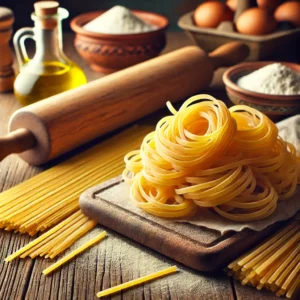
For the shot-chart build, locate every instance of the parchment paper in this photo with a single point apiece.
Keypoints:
(289, 130)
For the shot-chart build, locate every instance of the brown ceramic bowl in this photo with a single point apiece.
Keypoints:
(108, 53)
(272, 105)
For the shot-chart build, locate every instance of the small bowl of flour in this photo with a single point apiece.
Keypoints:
(272, 79)
(118, 38)
(119, 20)
(271, 87)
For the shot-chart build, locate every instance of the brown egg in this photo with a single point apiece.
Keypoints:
(232, 4)
(288, 12)
(256, 21)
(268, 4)
(211, 14)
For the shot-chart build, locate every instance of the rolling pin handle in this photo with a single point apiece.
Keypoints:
(16, 141)
(229, 54)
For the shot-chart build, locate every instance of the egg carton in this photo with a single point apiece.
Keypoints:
(281, 43)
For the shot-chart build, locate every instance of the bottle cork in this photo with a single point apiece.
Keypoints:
(46, 11)
(7, 75)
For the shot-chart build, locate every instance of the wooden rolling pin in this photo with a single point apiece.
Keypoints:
(49, 128)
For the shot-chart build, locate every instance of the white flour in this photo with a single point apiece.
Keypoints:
(118, 20)
(273, 79)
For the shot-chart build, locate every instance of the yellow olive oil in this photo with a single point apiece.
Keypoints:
(38, 81)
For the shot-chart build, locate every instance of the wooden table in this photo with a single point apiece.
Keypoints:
(113, 261)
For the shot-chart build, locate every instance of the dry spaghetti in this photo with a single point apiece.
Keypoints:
(74, 253)
(137, 281)
(230, 160)
(255, 134)
(57, 239)
(273, 265)
(52, 196)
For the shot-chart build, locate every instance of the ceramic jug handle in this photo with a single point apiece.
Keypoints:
(19, 44)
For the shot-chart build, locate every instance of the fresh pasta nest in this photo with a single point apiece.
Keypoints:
(206, 155)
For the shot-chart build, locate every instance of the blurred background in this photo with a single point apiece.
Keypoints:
(172, 9)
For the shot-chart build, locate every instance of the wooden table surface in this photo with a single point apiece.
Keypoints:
(113, 261)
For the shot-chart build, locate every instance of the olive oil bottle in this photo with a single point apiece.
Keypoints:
(49, 72)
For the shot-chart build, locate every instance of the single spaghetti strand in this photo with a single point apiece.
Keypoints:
(138, 281)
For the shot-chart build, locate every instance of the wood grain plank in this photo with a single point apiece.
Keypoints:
(117, 260)
(13, 276)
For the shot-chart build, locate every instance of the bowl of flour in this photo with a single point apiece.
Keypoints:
(118, 38)
(271, 87)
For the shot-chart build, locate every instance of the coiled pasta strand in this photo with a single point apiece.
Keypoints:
(228, 160)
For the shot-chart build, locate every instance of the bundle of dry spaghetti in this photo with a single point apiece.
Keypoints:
(52, 196)
(207, 155)
(57, 239)
(273, 265)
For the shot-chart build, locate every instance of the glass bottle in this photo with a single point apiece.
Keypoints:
(49, 72)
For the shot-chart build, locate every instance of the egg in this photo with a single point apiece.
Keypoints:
(211, 14)
(256, 21)
(268, 4)
(288, 12)
(232, 4)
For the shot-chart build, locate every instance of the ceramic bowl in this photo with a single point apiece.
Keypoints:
(108, 53)
(275, 106)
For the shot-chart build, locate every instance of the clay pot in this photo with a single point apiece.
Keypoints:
(108, 53)
(274, 106)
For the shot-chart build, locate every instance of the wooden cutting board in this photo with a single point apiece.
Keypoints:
(196, 247)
